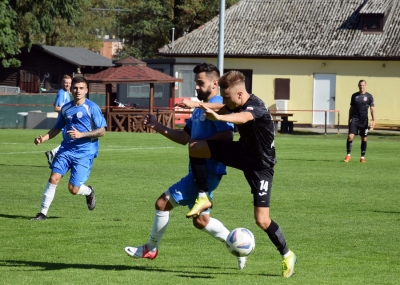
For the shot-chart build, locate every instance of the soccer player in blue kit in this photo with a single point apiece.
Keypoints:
(185, 192)
(358, 119)
(253, 153)
(82, 123)
(62, 97)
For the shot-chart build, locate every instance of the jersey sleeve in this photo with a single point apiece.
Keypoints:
(256, 111)
(97, 118)
(59, 98)
(223, 126)
(371, 102)
(60, 120)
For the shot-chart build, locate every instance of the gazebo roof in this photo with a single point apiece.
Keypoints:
(131, 70)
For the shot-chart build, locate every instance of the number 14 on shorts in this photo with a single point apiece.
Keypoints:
(263, 187)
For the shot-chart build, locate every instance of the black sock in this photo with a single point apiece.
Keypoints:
(363, 148)
(349, 145)
(276, 236)
(199, 170)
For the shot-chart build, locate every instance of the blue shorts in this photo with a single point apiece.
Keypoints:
(80, 168)
(185, 191)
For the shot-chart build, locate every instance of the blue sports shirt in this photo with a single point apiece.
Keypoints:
(62, 98)
(84, 118)
(202, 128)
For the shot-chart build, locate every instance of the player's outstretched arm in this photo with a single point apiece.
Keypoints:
(51, 134)
(177, 136)
(75, 134)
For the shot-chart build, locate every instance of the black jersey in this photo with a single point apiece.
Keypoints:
(257, 136)
(360, 104)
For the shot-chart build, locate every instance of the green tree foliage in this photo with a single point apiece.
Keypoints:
(24, 21)
(143, 25)
(8, 35)
(149, 25)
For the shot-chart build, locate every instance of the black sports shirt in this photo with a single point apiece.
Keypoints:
(257, 136)
(360, 104)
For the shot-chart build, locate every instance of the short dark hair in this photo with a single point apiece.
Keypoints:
(79, 79)
(208, 68)
(362, 80)
(231, 78)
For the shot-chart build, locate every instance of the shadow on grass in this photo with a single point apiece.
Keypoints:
(385, 212)
(321, 133)
(302, 159)
(24, 165)
(60, 266)
(22, 217)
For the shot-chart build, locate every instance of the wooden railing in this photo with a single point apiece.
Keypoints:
(131, 120)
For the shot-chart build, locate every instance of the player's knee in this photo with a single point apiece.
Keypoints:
(200, 222)
(263, 223)
(163, 203)
(73, 189)
(54, 179)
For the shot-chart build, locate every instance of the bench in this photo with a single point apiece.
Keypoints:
(390, 127)
(290, 125)
(276, 121)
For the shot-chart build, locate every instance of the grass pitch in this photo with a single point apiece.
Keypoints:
(341, 219)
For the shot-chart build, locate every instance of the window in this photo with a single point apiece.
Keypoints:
(187, 87)
(373, 22)
(143, 90)
(282, 89)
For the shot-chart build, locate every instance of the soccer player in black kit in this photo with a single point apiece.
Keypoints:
(358, 119)
(253, 153)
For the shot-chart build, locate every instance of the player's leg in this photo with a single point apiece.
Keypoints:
(203, 221)
(198, 152)
(177, 194)
(51, 154)
(260, 182)
(79, 175)
(208, 224)
(60, 167)
(364, 134)
(349, 142)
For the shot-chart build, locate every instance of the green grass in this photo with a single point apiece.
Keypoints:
(341, 219)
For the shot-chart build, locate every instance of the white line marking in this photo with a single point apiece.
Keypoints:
(101, 149)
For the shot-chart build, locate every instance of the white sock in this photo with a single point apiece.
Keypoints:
(48, 196)
(161, 219)
(84, 190)
(203, 194)
(216, 229)
(54, 151)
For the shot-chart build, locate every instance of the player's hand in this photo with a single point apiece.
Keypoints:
(38, 140)
(187, 104)
(372, 125)
(74, 133)
(209, 113)
(149, 121)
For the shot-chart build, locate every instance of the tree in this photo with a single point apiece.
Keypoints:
(150, 24)
(8, 35)
(24, 21)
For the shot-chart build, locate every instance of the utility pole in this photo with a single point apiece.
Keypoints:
(221, 36)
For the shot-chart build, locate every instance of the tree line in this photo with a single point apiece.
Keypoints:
(142, 25)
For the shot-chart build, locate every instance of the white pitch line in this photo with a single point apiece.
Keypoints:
(100, 150)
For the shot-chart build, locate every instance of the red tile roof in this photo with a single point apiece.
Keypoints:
(131, 74)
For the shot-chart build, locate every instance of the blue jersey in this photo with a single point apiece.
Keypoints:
(202, 128)
(62, 98)
(84, 118)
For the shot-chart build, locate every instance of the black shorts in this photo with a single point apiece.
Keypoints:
(257, 175)
(358, 129)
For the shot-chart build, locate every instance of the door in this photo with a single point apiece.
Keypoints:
(324, 98)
